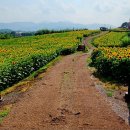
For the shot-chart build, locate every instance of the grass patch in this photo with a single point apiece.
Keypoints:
(109, 93)
(4, 112)
(89, 60)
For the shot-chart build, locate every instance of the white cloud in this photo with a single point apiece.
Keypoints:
(79, 11)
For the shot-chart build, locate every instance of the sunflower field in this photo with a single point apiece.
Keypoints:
(111, 39)
(19, 57)
(112, 62)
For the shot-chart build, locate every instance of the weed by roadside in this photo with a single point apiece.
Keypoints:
(4, 112)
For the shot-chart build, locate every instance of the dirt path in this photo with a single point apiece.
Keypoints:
(87, 39)
(65, 99)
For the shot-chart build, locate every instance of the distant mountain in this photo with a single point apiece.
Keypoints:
(5, 31)
(19, 26)
(29, 26)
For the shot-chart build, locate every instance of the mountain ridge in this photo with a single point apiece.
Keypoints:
(30, 26)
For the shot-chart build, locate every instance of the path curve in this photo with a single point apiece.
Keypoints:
(64, 99)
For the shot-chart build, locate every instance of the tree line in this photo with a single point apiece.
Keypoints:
(15, 34)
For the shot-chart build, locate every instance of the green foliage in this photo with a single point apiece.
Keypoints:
(109, 93)
(4, 112)
(5, 36)
(112, 39)
(128, 34)
(20, 57)
(112, 62)
(112, 57)
(125, 41)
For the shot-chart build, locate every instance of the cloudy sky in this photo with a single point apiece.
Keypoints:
(112, 12)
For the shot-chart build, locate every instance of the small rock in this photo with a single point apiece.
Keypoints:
(78, 113)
